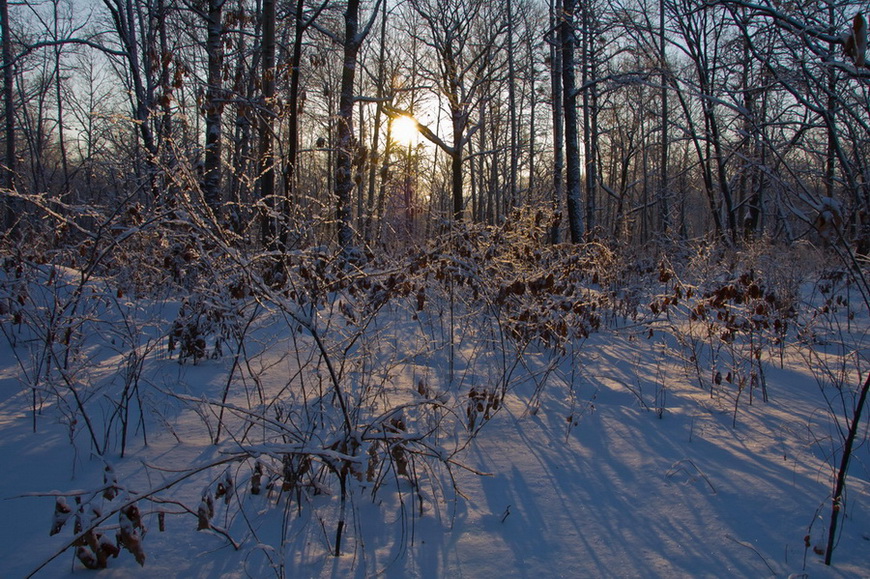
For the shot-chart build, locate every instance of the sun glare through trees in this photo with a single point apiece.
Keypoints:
(405, 130)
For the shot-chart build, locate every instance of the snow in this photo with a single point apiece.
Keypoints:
(606, 459)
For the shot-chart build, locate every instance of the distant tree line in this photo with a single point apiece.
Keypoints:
(618, 120)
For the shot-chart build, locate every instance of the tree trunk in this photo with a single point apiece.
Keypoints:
(272, 237)
(512, 109)
(485, 210)
(375, 163)
(664, 200)
(724, 186)
(703, 162)
(590, 116)
(8, 181)
(558, 133)
(569, 105)
(240, 178)
(294, 107)
(58, 86)
(211, 179)
(456, 178)
(346, 145)
(124, 17)
(354, 35)
(164, 129)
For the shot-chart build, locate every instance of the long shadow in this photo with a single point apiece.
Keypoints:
(629, 495)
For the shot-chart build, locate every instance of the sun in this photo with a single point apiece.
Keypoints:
(404, 129)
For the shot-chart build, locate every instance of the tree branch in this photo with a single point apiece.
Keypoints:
(393, 113)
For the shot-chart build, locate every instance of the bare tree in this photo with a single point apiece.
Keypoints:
(213, 105)
(568, 41)
(8, 182)
(129, 19)
(273, 234)
(558, 124)
(465, 37)
(241, 156)
(511, 21)
(379, 162)
(354, 35)
(589, 67)
(664, 193)
(303, 21)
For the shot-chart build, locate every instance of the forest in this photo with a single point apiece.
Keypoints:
(428, 288)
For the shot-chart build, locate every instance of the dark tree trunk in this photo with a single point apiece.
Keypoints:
(211, 179)
(271, 230)
(346, 145)
(456, 178)
(512, 109)
(664, 205)
(9, 110)
(354, 35)
(569, 105)
(590, 115)
(558, 133)
(294, 107)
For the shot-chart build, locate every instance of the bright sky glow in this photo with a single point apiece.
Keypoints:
(405, 130)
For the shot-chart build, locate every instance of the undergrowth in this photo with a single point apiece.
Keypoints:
(357, 411)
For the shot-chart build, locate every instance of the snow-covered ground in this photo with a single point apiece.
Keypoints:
(605, 460)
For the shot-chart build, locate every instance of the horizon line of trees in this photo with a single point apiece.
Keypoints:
(615, 119)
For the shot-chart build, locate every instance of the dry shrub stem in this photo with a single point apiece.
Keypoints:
(844, 466)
